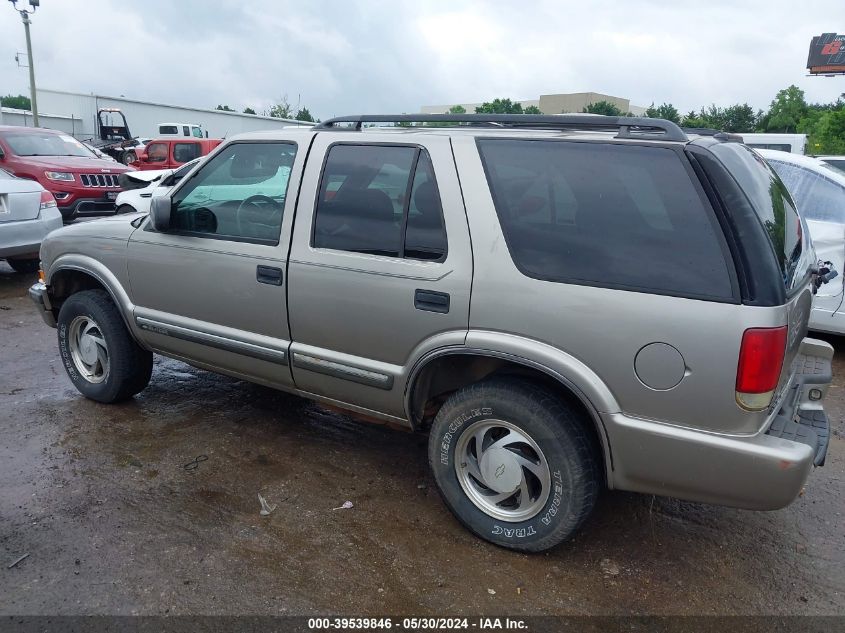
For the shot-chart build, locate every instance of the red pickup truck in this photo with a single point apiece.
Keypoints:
(171, 153)
(81, 183)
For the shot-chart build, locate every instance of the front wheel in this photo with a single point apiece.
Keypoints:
(515, 463)
(100, 357)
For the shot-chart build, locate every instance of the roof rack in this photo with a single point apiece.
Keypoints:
(717, 134)
(628, 127)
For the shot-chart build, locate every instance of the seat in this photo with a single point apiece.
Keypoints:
(358, 220)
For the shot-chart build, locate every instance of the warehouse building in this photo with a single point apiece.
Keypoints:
(76, 114)
(553, 104)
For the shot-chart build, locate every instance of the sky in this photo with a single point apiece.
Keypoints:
(379, 56)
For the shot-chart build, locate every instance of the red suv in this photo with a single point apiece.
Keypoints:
(172, 153)
(82, 184)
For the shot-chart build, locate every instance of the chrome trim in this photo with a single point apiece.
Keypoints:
(272, 355)
(39, 296)
(99, 180)
(342, 371)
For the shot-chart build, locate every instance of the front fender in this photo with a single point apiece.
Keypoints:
(98, 271)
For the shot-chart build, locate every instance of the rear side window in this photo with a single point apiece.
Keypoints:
(772, 204)
(818, 197)
(168, 129)
(380, 200)
(183, 152)
(611, 215)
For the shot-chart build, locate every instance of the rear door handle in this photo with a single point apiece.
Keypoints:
(269, 275)
(431, 301)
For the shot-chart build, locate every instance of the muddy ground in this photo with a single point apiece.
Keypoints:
(113, 523)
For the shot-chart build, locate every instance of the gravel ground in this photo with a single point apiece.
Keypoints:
(113, 523)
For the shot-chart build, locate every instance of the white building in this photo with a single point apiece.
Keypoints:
(76, 113)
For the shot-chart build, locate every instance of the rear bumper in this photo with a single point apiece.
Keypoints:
(39, 296)
(764, 471)
(18, 239)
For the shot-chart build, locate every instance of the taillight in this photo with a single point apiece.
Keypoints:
(760, 362)
(47, 200)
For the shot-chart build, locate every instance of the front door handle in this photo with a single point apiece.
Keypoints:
(431, 301)
(269, 275)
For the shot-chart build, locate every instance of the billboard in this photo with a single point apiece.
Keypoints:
(827, 54)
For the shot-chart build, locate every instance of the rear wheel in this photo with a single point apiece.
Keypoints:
(515, 463)
(128, 157)
(25, 265)
(100, 357)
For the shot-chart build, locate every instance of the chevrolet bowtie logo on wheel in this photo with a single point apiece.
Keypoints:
(500, 471)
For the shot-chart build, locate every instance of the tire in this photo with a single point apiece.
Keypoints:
(540, 428)
(125, 208)
(128, 157)
(24, 265)
(109, 372)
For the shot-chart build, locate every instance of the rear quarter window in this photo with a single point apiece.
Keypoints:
(773, 205)
(611, 215)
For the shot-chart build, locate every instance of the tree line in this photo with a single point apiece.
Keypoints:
(789, 112)
(281, 110)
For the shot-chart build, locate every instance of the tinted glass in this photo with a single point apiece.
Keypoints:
(185, 131)
(772, 203)
(817, 197)
(168, 129)
(365, 193)
(619, 216)
(183, 152)
(239, 194)
(836, 163)
(425, 235)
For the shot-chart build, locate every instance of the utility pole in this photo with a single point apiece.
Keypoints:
(34, 4)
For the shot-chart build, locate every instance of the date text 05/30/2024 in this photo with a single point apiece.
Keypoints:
(417, 624)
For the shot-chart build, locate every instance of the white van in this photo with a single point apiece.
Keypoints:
(180, 129)
(792, 143)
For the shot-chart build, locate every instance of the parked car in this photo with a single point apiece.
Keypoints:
(819, 192)
(180, 129)
(564, 302)
(28, 213)
(142, 186)
(164, 153)
(837, 162)
(81, 183)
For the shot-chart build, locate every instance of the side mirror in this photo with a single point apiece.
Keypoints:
(144, 157)
(2, 154)
(160, 214)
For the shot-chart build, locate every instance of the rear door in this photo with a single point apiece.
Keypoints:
(380, 267)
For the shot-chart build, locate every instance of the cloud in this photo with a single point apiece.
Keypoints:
(380, 56)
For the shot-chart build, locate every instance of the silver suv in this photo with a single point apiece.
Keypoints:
(565, 303)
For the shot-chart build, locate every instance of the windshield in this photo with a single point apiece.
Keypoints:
(45, 144)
